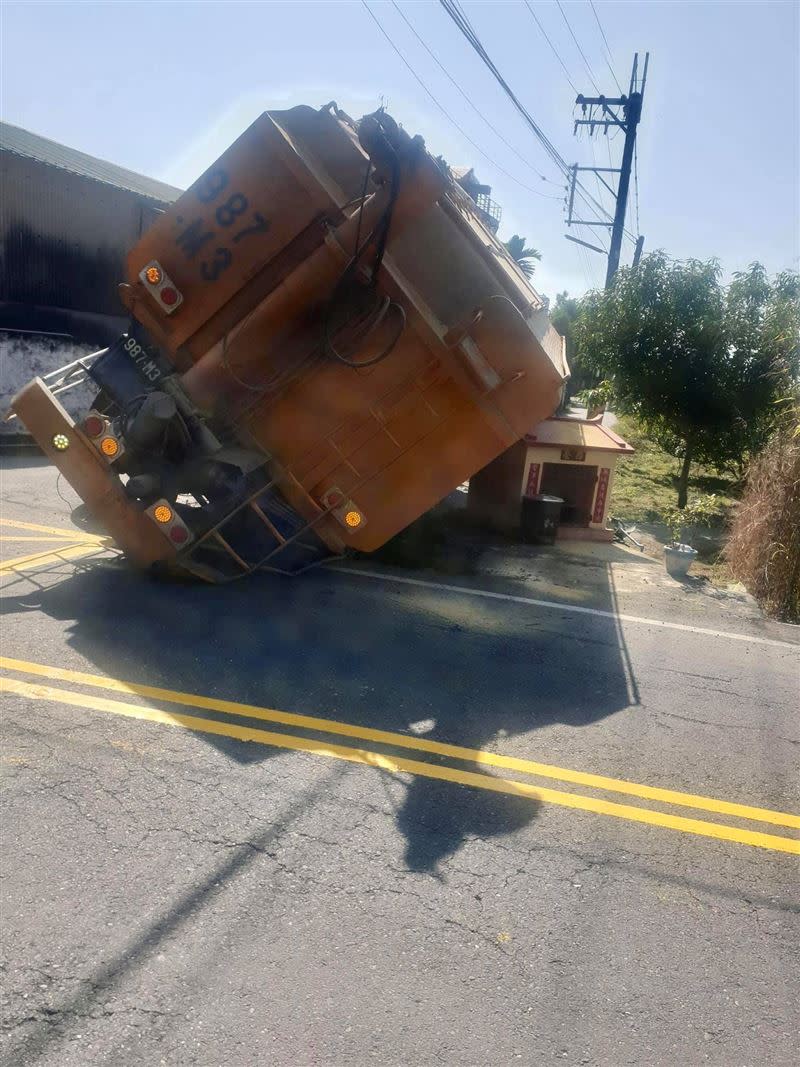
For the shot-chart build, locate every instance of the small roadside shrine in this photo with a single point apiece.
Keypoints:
(574, 459)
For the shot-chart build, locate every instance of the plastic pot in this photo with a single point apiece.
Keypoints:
(678, 559)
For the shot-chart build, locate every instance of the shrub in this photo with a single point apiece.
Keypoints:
(763, 551)
(698, 512)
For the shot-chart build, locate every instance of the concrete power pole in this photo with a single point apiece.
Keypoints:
(623, 112)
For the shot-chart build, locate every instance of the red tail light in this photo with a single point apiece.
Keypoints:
(103, 436)
(160, 286)
(169, 522)
(93, 425)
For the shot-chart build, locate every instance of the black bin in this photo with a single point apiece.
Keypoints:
(539, 518)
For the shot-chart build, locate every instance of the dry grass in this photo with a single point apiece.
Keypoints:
(763, 551)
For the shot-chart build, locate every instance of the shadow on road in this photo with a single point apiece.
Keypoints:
(410, 660)
(107, 977)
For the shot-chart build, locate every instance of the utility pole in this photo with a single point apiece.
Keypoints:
(623, 112)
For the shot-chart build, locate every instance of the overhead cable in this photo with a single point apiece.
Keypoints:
(453, 10)
(636, 185)
(552, 46)
(447, 114)
(610, 59)
(577, 45)
(474, 107)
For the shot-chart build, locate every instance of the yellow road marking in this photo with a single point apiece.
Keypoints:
(363, 733)
(19, 537)
(396, 764)
(70, 535)
(41, 559)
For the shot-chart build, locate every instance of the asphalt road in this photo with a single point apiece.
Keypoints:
(190, 881)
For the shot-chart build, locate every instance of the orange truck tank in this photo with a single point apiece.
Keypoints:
(326, 341)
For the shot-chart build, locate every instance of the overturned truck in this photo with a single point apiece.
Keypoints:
(325, 341)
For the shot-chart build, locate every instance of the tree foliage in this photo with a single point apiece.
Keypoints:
(763, 331)
(563, 315)
(700, 365)
(698, 512)
(522, 254)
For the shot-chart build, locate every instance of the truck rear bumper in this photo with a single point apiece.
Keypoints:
(90, 476)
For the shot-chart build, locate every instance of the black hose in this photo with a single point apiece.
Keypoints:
(348, 277)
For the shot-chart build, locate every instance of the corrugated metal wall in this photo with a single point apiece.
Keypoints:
(63, 242)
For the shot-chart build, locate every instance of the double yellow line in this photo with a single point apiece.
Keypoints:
(393, 763)
(75, 545)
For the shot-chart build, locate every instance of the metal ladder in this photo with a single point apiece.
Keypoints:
(262, 532)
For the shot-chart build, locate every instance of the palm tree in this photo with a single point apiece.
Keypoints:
(522, 255)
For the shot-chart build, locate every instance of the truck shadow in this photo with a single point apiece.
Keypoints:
(411, 660)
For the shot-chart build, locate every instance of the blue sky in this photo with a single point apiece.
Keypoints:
(164, 87)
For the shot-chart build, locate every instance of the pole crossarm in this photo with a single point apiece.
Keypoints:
(600, 112)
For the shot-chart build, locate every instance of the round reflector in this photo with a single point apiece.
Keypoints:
(93, 425)
(153, 275)
(178, 534)
(60, 442)
(169, 296)
(109, 446)
(353, 519)
(162, 513)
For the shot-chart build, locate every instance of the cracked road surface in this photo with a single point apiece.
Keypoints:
(178, 896)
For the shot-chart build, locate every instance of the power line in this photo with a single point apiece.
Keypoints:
(447, 114)
(463, 24)
(587, 267)
(552, 46)
(636, 185)
(596, 175)
(556, 53)
(477, 111)
(575, 39)
(598, 183)
(453, 10)
(610, 60)
(608, 148)
(624, 112)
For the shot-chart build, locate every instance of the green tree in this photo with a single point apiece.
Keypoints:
(762, 324)
(523, 255)
(700, 365)
(563, 315)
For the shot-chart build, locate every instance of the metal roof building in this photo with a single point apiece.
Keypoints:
(32, 146)
(67, 221)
